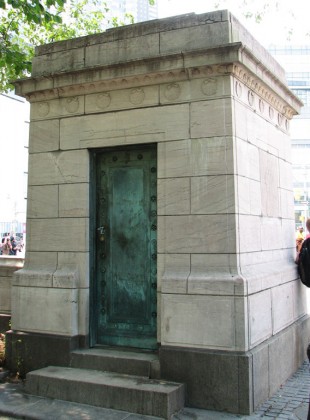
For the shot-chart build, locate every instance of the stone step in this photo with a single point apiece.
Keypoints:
(107, 389)
(120, 361)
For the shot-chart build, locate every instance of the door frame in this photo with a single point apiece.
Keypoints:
(93, 298)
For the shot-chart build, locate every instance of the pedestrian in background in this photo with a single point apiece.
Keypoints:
(13, 246)
(300, 236)
(6, 246)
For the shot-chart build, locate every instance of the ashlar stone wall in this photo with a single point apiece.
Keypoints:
(218, 108)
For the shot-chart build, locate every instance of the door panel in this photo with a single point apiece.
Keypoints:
(126, 248)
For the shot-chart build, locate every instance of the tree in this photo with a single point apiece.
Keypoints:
(272, 15)
(27, 23)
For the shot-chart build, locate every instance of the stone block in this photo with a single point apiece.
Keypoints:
(181, 321)
(42, 201)
(129, 127)
(38, 270)
(212, 194)
(250, 120)
(260, 375)
(286, 203)
(122, 51)
(122, 99)
(119, 361)
(66, 278)
(36, 277)
(173, 159)
(74, 200)
(271, 233)
(269, 272)
(247, 160)
(263, 370)
(269, 172)
(285, 175)
(58, 235)
(288, 236)
(5, 294)
(159, 301)
(153, 397)
(242, 323)
(282, 306)
(41, 260)
(212, 378)
(212, 156)
(300, 299)
(176, 92)
(80, 260)
(260, 317)
(249, 236)
(281, 363)
(214, 274)
(174, 272)
(83, 315)
(173, 196)
(245, 376)
(207, 118)
(30, 351)
(196, 234)
(44, 136)
(61, 61)
(43, 318)
(192, 38)
(56, 108)
(59, 168)
(196, 157)
(248, 199)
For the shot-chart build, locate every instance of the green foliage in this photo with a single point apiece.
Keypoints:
(27, 23)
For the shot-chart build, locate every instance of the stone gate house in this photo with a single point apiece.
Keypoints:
(160, 211)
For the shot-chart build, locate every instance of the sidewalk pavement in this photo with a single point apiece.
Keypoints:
(290, 402)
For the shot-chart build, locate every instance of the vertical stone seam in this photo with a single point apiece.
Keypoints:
(59, 133)
(190, 185)
(57, 253)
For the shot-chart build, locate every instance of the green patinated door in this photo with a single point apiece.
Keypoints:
(126, 226)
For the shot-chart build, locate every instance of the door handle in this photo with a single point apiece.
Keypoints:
(101, 231)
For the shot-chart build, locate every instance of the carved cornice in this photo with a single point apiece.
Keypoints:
(260, 95)
(262, 91)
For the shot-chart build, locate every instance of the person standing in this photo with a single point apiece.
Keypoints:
(308, 228)
(6, 247)
(300, 236)
(13, 246)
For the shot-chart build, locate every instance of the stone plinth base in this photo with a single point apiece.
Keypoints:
(234, 381)
(29, 351)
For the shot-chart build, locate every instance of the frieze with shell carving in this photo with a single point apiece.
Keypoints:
(209, 86)
(72, 104)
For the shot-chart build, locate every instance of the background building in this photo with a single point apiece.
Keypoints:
(296, 62)
(141, 10)
(14, 122)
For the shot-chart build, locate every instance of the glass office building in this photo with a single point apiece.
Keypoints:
(296, 62)
(141, 10)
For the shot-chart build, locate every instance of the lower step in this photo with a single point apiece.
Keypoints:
(107, 389)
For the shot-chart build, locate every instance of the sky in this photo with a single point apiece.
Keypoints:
(291, 17)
